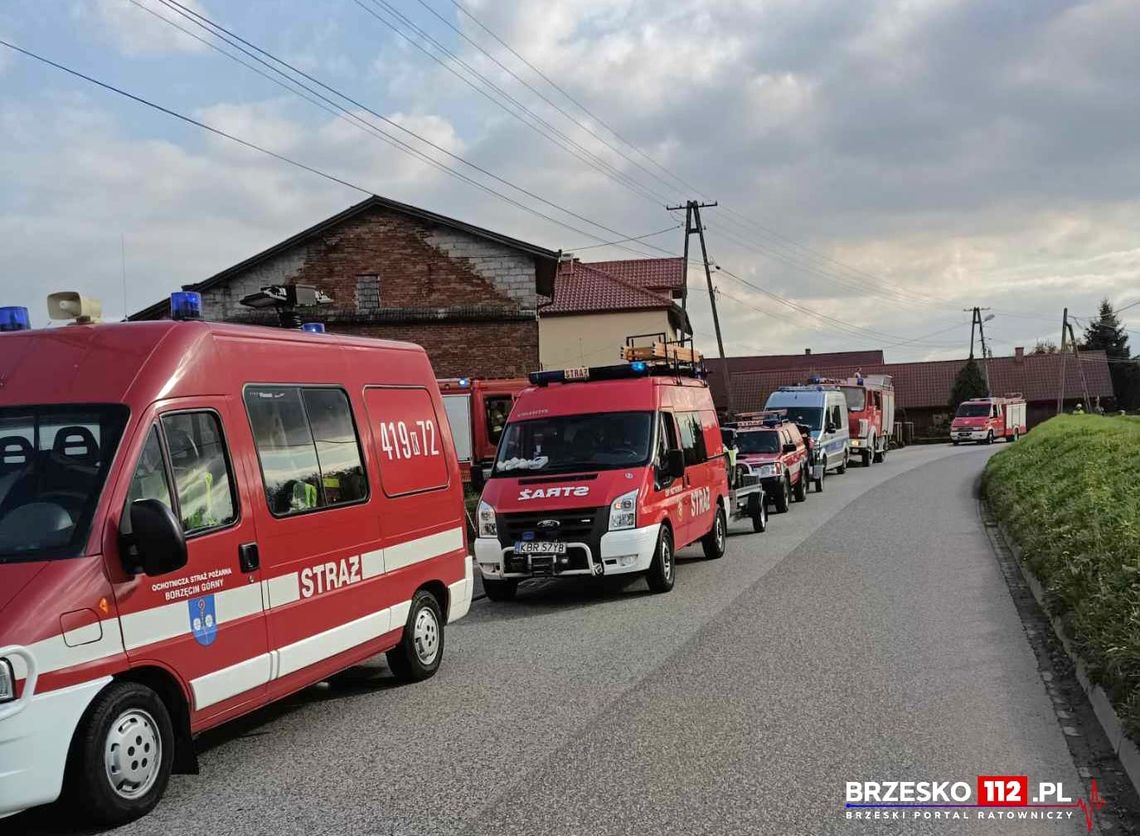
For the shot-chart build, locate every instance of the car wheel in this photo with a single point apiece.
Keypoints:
(880, 455)
(420, 650)
(801, 486)
(955, 443)
(760, 517)
(843, 465)
(664, 566)
(1016, 435)
(716, 540)
(867, 456)
(783, 499)
(990, 437)
(121, 755)
(500, 590)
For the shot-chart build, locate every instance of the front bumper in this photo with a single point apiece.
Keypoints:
(35, 735)
(969, 434)
(617, 553)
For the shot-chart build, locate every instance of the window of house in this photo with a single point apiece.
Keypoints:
(367, 292)
(308, 448)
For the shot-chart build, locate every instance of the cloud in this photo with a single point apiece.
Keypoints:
(133, 31)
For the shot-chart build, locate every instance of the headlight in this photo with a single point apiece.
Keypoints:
(770, 470)
(486, 517)
(623, 511)
(7, 681)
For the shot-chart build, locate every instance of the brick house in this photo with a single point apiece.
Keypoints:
(469, 296)
(922, 389)
(597, 305)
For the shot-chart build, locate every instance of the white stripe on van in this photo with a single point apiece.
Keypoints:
(229, 682)
(423, 548)
(282, 590)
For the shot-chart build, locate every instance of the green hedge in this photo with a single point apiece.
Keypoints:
(1069, 494)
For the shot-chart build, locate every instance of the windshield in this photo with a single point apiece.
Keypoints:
(53, 462)
(856, 398)
(810, 415)
(974, 410)
(599, 441)
(758, 441)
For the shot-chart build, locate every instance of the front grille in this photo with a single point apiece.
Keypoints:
(575, 525)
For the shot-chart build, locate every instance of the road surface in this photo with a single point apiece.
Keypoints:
(868, 635)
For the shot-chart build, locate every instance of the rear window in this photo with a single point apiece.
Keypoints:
(53, 466)
(408, 440)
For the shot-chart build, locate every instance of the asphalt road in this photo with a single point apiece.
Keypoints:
(868, 635)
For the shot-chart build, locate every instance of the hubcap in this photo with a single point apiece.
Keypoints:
(425, 635)
(132, 753)
(719, 531)
(666, 559)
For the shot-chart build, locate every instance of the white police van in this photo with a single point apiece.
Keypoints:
(823, 408)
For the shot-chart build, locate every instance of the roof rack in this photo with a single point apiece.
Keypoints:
(763, 418)
(661, 357)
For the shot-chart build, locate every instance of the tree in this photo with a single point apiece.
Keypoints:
(1044, 347)
(1105, 333)
(969, 384)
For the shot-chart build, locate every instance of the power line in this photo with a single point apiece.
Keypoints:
(624, 240)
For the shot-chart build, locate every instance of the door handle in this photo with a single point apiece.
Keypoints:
(248, 557)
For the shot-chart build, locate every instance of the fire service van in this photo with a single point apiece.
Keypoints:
(870, 415)
(985, 419)
(604, 471)
(477, 411)
(821, 407)
(197, 519)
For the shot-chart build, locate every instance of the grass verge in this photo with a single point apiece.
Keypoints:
(1069, 495)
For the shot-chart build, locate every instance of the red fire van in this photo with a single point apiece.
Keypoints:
(984, 419)
(604, 471)
(197, 519)
(478, 412)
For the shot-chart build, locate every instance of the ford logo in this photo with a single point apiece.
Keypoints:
(548, 525)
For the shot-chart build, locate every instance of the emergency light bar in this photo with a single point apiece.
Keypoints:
(185, 305)
(313, 327)
(622, 371)
(15, 318)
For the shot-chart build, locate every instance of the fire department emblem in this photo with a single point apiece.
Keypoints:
(203, 620)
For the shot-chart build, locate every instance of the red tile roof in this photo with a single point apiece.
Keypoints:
(665, 275)
(804, 364)
(582, 288)
(927, 384)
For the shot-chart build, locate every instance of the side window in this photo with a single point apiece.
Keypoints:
(309, 459)
(149, 481)
(837, 417)
(202, 479)
(498, 408)
(666, 436)
(692, 438)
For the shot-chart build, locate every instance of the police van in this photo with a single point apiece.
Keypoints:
(197, 519)
(823, 409)
(605, 471)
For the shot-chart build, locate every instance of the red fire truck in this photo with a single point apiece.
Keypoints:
(477, 411)
(983, 420)
(870, 415)
(605, 471)
(197, 519)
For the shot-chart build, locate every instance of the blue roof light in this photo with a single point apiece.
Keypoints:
(15, 318)
(185, 304)
(638, 366)
(313, 327)
(464, 381)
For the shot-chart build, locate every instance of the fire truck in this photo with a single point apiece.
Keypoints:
(983, 420)
(870, 414)
(477, 411)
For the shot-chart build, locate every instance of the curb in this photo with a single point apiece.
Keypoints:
(1125, 749)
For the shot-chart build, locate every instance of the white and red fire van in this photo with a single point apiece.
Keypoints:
(870, 415)
(983, 420)
(197, 519)
(604, 471)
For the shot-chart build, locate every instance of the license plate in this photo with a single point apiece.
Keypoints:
(539, 547)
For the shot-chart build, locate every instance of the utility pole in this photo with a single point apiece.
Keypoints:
(1069, 341)
(693, 224)
(976, 322)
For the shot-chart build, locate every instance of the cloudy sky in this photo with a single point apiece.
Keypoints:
(879, 164)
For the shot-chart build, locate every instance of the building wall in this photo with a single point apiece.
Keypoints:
(470, 302)
(593, 339)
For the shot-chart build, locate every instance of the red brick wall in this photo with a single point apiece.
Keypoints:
(466, 349)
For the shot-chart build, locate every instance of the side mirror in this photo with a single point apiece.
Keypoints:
(155, 543)
(478, 480)
(675, 464)
(789, 447)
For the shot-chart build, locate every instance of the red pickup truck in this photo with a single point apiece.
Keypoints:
(774, 447)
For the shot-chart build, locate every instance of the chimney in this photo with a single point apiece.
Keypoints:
(807, 351)
(1019, 354)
